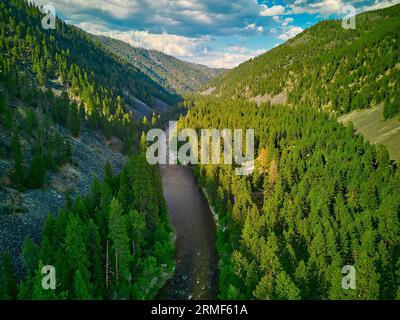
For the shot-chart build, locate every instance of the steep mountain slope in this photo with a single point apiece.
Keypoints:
(169, 72)
(327, 66)
(70, 57)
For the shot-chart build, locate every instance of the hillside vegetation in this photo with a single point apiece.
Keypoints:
(67, 104)
(328, 67)
(321, 197)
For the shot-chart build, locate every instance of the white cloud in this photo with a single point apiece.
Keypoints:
(286, 21)
(271, 11)
(323, 7)
(228, 59)
(327, 7)
(379, 4)
(283, 22)
(175, 45)
(253, 26)
(290, 32)
(183, 17)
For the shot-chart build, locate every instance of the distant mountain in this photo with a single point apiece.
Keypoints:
(326, 66)
(169, 72)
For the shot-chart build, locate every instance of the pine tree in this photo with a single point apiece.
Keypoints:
(80, 290)
(37, 171)
(8, 278)
(18, 174)
(76, 253)
(143, 143)
(30, 255)
(74, 120)
(285, 289)
(6, 112)
(121, 248)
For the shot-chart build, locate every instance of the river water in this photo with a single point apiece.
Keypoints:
(196, 275)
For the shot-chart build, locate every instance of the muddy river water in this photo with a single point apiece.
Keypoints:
(196, 275)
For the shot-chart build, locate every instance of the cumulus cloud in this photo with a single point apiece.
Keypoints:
(182, 17)
(175, 45)
(283, 22)
(253, 26)
(379, 4)
(334, 7)
(272, 11)
(290, 32)
(229, 58)
(323, 7)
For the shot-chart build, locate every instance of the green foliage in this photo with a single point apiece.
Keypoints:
(328, 199)
(121, 248)
(18, 173)
(392, 106)
(106, 245)
(5, 113)
(37, 171)
(81, 292)
(8, 280)
(30, 255)
(74, 120)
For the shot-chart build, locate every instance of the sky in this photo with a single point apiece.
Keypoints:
(217, 33)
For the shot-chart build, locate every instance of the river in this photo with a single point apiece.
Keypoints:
(196, 274)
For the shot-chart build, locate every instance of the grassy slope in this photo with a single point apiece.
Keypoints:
(371, 125)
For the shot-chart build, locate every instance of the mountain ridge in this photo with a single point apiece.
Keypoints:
(176, 74)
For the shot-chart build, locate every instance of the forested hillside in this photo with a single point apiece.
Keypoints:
(328, 67)
(320, 198)
(66, 106)
(169, 72)
(116, 243)
(69, 57)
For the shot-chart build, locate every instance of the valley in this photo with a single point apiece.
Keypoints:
(77, 191)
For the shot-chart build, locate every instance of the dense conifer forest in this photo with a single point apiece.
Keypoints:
(320, 198)
(116, 243)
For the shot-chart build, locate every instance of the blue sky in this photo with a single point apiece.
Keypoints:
(218, 33)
